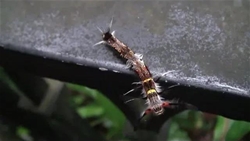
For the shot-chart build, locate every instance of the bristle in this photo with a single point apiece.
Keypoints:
(136, 83)
(175, 100)
(110, 24)
(130, 100)
(168, 72)
(144, 92)
(161, 98)
(138, 56)
(129, 91)
(113, 33)
(100, 29)
(170, 87)
(147, 102)
(143, 113)
(158, 88)
(101, 42)
(128, 64)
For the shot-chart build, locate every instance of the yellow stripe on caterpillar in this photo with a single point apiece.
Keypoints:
(146, 80)
(151, 91)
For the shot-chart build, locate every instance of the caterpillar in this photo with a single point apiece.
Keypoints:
(151, 89)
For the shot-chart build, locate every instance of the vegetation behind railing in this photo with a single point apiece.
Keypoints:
(102, 115)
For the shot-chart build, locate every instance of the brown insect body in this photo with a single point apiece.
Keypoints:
(121, 48)
(154, 101)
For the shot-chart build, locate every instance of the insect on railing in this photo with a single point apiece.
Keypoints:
(151, 90)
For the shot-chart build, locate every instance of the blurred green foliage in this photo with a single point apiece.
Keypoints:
(181, 125)
(187, 123)
(20, 131)
(105, 117)
(23, 133)
(237, 130)
(101, 108)
(5, 79)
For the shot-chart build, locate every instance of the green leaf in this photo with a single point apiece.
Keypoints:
(191, 116)
(115, 117)
(77, 100)
(22, 131)
(219, 128)
(90, 111)
(175, 133)
(238, 130)
(5, 78)
(87, 91)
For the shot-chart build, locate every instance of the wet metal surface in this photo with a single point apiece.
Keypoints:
(207, 43)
